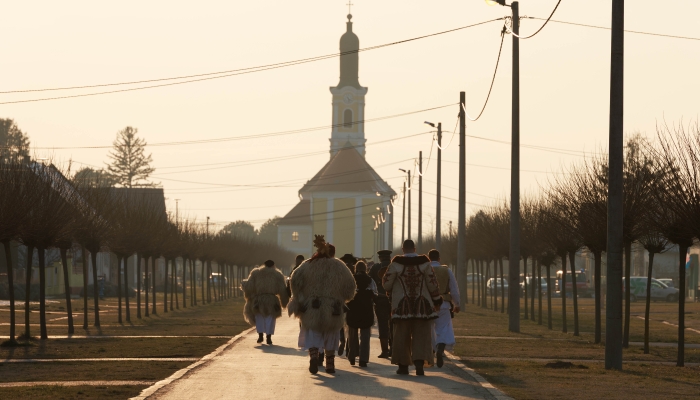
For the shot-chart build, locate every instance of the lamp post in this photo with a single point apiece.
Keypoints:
(514, 254)
(408, 172)
(438, 192)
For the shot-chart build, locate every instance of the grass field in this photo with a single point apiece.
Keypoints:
(197, 330)
(517, 362)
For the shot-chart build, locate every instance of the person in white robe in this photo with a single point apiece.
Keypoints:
(443, 333)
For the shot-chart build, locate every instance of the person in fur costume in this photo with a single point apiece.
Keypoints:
(415, 299)
(320, 288)
(265, 293)
(361, 315)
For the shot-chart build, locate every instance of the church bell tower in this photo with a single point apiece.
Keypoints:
(348, 97)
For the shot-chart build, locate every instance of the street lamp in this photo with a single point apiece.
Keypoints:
(438, 195)
(408, 236)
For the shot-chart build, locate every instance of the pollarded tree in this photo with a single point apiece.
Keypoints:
(94, 229)
(16, 197)
(49, 221)
(130, 165)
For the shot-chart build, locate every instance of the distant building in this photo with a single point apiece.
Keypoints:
(345, 200)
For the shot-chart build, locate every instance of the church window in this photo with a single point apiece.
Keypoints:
(347, 118)
(295, 236)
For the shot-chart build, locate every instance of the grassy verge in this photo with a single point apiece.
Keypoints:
(222, 318)
(518, 367)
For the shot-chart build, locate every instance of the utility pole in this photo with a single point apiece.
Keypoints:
(514, 256)
(177, 212)
(613, 310)
(462, 215)
(438, 214)
(403, 217)
(420, 201)
(408, 235)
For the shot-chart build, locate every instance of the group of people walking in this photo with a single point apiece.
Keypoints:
(412, 296)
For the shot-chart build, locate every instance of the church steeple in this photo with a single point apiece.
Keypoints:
(349, 59)
(348, 97)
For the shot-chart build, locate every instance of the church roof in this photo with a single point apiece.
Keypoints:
(299, 215)
(347, 171)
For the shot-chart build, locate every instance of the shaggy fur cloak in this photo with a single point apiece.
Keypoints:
(265, 293)
(320, 289)
(413, 287)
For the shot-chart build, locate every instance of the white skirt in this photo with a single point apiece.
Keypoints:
(322, 341)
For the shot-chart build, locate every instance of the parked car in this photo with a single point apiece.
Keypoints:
(667, 281)
(583, 288)
(215, 276)
(474, 278)
(659, 291)
(497, 282)
(530, 281)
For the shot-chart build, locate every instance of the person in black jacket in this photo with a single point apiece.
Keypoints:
(360, 315)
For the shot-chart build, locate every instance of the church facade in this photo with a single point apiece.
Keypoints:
(346, 201)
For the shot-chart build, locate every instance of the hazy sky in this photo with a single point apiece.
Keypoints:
(564, 88)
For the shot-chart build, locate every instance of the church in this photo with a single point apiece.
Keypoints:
(346, 201)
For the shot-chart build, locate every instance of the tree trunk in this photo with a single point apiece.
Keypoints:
(154, 310)
(95, 287)
(215, 285)
(473, 281)
(119, 288)
(184, 282)
(533, 265)
(480, 277)
(203, 274)
(66, 285)
(42, 293)
(503, 285)
(177, 299)
(485, 300)
(539, 295)
(146, 285)
(495, 286)
(549, 297)
(85, 287)
(598, 255)
(138, 285)
(574, 289)
(628, 265)
(11, 287)
(562, 290)
(648, 304)
(682, 250)
(525, 286)
(126, 290)
(165, 287)
(193, 282)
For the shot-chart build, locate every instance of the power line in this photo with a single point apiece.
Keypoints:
(220, 74)
(541, 27)
(260, 135)
(626, 30)
(493, 79)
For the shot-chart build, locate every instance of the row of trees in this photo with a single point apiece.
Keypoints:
(661, 209)
(41, 209)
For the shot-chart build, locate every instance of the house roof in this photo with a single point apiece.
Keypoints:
(299, 215)
(347, 171)
(153, 196)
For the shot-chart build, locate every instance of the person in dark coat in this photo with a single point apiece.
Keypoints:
(360, 317)
(349, 261)
(382, 303)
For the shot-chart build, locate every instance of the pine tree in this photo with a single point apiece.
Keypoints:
(130, 166)
(14, 144)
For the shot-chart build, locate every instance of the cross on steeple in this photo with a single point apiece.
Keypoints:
(350, 6)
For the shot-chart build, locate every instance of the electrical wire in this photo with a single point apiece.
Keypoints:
(260, 135)
(538, 31)
(626, 30)
(221, 74)
(493, 79)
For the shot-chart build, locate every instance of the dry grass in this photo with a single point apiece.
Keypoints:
(74, 392)
(222, 318)
(532, 380)
(518, 367)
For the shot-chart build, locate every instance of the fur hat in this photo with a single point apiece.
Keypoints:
(348, 258)
(269, 263)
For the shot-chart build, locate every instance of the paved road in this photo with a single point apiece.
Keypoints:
(252, 371)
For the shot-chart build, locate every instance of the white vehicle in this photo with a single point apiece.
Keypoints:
(659, 291)
(667, 281)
